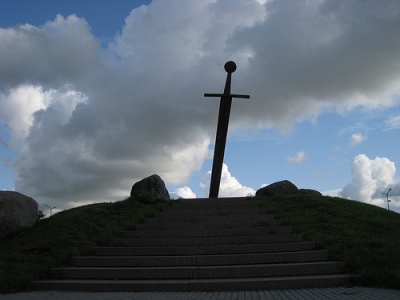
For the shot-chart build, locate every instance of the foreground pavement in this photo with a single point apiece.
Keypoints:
(340, 293)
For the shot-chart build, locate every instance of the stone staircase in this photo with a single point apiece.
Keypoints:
(203, 245)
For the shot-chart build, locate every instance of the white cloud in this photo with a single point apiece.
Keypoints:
(371, 177)
(229, 186)
(332, 193)
(393, 122)
(17, 108)
(297, 158)
(357, 138)
(183, 192)
(88, 122)
(59, 52)
(25, 106)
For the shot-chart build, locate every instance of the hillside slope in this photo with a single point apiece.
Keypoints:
(31, 254)
(365, 237)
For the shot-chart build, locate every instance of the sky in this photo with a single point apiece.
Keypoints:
(97, 95)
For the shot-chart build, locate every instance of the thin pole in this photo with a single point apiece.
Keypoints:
(387, 197)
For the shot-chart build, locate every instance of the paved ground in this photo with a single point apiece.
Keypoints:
(341, 293)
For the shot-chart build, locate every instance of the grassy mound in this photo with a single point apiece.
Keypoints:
(32, 254)
(365, 237)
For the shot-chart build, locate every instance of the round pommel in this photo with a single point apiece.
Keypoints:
(230, 67)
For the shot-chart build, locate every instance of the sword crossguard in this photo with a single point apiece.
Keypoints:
(227, 95)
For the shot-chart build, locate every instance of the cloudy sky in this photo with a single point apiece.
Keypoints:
(95, 96)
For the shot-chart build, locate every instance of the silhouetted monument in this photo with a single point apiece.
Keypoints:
(222, 129)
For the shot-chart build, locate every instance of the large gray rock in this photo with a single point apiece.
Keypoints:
(150, 190)
(282, 188)
(279, 188)
(309, 192)
(17, 212)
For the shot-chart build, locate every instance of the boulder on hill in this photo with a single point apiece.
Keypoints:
(279, 188)
(150, 190)
(309, 192)
(17, 212)
(282, 188)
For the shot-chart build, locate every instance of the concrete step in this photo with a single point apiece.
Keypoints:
(200, 260)
(202, 245)
(171, 212)
(209, 232)
(244, 219)
(205, 250)
(212, 240)
(201, 272)
(207, 241)
(216, 202)
(206, 208)
(249, 223)
(187, 285)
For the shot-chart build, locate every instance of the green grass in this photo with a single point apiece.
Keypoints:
(365, 237)
(31, 254)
